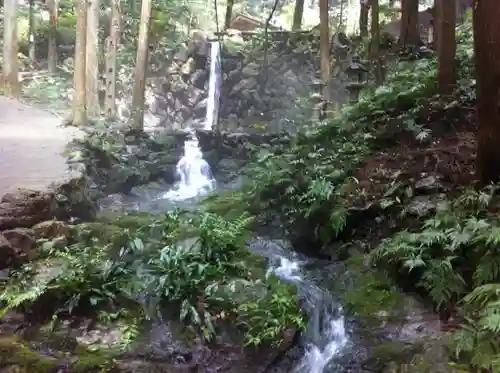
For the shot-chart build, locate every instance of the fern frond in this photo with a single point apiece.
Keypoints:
(464, 341)
(442, 282)
(487, 269)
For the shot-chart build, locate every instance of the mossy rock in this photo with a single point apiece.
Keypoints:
(18, 357)
(391, 353)
(369, 294)
(15, 354)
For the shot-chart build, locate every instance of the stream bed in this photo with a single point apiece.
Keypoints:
(331, 342)
(326, 334)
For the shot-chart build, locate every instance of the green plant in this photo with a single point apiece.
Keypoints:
(268, 318)
(181, 261)
(455, 257)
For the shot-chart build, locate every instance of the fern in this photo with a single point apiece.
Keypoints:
(456, 251)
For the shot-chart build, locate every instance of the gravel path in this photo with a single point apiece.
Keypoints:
(31, 145)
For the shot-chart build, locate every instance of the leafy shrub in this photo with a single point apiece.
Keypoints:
(456, 259)
(303, 182)
(188, 263)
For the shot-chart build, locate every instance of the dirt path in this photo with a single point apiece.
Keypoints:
(31, 145)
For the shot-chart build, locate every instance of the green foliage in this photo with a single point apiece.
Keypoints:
(181, 262)
(456, 259)
(477, 342)
(51, 91)
(304, 180)
(116, 159)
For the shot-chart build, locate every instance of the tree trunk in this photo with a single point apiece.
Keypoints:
(31, 31)
(141, 63)
(52, 52)
(79, 91)
(92, 59)
(375, 44)
(409, 35)
(486, 14)
(298, 13)
(111, 49)
(363, 17)
(10, 66)
(229, 14)
(324, 48)
(446, 44)
(392, 5)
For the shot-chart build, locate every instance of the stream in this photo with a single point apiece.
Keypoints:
(325, 335)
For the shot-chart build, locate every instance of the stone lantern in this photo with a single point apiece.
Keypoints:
(317, 99)
(357, 74)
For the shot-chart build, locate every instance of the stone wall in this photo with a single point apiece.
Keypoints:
(262, 81)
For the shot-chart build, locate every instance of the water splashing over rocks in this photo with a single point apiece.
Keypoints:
(326, 334)
(194, 173)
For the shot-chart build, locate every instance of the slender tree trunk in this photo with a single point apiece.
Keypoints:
(52, 52)
(111, 49)
(298, 13)
(409, 34)
(91, 59)
(392, 5)
(141, 62)
(446, 44)
(79, 91)
(486, 14)
(31, 31)
(375, 43)
(341, 24)
(229, 14)
(363, 17)
(10, 66)
(324, 48)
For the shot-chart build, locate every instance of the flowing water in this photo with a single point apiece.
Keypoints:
(325, 335)
(194, 175)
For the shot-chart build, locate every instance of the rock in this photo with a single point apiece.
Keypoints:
(26, 208)
(424, 205)
(7, 253)
(429, 184)
(182, 54)
(16, 246)
(51, 229)
(188, 67)
(252, 69)
(22, 240)
(245, 84)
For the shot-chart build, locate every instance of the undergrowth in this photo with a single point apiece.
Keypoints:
(190, 264)
(455, 259)
(305, 181)
(452, 257)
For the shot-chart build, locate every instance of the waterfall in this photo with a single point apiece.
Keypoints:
(194, 175)
(326, 334)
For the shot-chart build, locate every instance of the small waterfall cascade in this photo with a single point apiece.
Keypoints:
(195, 177)
(326, 333)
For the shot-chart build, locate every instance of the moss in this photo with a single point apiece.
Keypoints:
(389, 356)
(370, 292)
(14, 353)
(93, 361)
